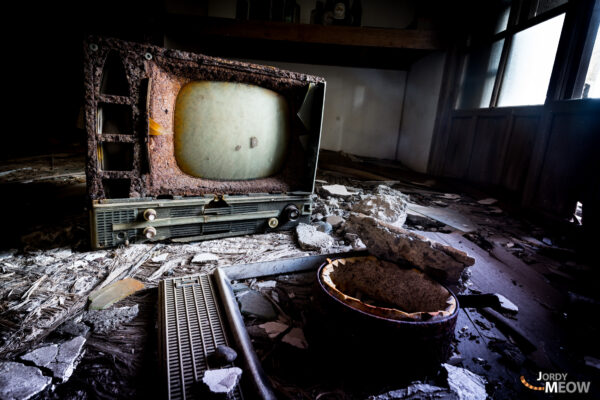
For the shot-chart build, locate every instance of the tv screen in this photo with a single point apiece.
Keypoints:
(230, 131)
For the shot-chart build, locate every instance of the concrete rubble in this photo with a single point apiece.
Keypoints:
(296, 338)
(309, 238)
(224, 355)
(418, 391)
(335, 221)
(20, 382)
(386, 204)
(253, 303)
(462, 385)
(223, 380)
(506, 305)
(274, 328)
(336, 191)
(465, 384)
(205, 258)
(395, 244)
(60, 360)
(108, 320)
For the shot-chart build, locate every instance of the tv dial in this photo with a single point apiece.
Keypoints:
(150, 214)
(149, 232)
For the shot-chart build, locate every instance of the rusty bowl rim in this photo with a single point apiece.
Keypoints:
(419, 323)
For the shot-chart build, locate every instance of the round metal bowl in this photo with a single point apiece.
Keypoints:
(366, 332)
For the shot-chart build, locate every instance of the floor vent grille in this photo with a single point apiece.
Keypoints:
(192, 327)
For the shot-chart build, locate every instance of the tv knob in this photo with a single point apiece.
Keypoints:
(149, 232)
(273, 222)
(150, 214)
(291, 212)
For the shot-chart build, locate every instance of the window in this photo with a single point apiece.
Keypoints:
(479, 75)
(530, 63)
(512, 65)
(591, 87)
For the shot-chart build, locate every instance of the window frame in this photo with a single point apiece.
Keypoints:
(572, 56)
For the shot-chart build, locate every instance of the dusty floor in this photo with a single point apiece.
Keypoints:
(46, 274)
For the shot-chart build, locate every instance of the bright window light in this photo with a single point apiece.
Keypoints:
(530, 63)
(591, 89)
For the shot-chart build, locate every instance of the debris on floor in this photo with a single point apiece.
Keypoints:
(107, 320)
(110, 294)
(223, 355)
(309, 238)
(296, 338)
(254, 304)
(417, 391)
(59, 359)
(274, 328)
(336, 191)
(506, 305)
(399, 245)
(21, 382)
(222, 381)
(465, 384)
(204, 258)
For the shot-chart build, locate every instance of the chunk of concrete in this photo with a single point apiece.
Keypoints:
(323, 226)
(309, 238)
(254, 304)
(418, 391)
(335, 221)
(109, 295)
(61, 359)
(506, 305)
(224, 355)
(222, 380)
(274, 328)
(42, 356)
(387, 205)
(336, 191)
(20, 382)
(205, 258)
(73, 328)
(108, 320)
(465, 384)
(296, 338)
(395, 244)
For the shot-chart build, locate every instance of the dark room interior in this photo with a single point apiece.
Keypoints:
(301, 199)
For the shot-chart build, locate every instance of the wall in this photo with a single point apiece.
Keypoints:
(380, 13)
(420, 110)
(362, 108)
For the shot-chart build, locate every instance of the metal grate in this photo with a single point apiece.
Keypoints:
(105, 221)
(190, 211)
(244, 208)
(192, 328)
(211, 228)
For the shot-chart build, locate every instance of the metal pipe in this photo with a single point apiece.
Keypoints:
(241, 339)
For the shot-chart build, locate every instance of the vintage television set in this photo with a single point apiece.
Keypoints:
(183, 146)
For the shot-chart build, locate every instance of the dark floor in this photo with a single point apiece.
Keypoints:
(538, 265)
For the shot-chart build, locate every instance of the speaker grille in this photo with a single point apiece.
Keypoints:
(105, 221)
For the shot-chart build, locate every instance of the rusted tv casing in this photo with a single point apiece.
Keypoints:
(131, 90)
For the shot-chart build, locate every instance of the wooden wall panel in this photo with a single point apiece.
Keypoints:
(519, 151)
(458, 149)
(570, 163)
(489, 146)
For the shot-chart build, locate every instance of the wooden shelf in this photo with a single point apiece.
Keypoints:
(305, 33)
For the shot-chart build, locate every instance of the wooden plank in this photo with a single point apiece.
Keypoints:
(460, 142)
(307, 33)
(488, 145)
(520, 149)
